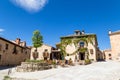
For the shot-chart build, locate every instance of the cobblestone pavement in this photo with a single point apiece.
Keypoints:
(4, 71)
(96, 71)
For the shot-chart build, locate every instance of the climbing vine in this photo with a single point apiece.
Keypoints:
(82, 50)
(75, 41)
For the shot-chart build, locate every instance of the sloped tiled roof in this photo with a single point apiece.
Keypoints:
(116, 32)
(12, 42)
(74, 35)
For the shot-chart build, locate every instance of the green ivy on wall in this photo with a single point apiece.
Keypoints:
(75, 41)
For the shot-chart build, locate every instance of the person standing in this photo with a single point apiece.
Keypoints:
(75, 58)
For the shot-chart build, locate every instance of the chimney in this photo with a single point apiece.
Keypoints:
(77, 32)
(109, 32)
(17, 41)
(24, 44)
(83, 32)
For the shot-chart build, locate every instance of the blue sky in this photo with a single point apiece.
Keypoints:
(55, 18)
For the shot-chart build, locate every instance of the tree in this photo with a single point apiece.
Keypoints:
(37, 40)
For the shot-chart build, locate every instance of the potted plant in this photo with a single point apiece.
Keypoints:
(54, 64)
(87, 61)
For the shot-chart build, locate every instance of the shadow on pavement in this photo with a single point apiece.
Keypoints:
(5, 67)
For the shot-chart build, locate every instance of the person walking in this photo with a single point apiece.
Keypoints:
(9, 71)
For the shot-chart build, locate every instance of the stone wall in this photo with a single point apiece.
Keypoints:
(40, 50)
(115, 45)
(107, 53)
(71, 48)
(12, 54)
(31, 66)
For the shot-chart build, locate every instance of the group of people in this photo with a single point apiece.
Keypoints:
(69, 62)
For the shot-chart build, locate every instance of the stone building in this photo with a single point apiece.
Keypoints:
(114, 52)
(107, 54)
(53, 52)
(40, 51)
(13, 52)
(80, 46)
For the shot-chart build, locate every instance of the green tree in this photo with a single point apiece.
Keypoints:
(37, 39)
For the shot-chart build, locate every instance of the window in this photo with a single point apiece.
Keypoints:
(46, 50)
(91, 51)
(6, 46)
(81, 44)
(22, 50)
(109, 55)
(26, 52)
(14, 50)
(3, 51)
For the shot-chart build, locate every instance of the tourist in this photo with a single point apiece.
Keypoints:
(75, 58)
(66, 61)
(9, 71)
(70, 61)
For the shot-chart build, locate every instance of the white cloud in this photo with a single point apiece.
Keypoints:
(30, 5)
(1, 30)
